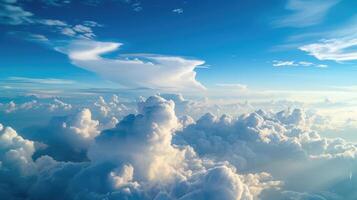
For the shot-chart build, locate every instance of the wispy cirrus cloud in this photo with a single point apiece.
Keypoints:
(337, 49)
(338, 44)
(305, 13)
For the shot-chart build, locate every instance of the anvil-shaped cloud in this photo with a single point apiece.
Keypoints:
(140, 70)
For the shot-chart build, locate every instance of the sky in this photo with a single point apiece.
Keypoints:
(178, 99)
(277, 45)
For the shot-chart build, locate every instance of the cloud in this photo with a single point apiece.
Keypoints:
(339, 49)
(91, 24)
(52, 22)
(280, 63)
(66, 138)
(56, 2)
(12, 14)
(305, 12)
(281, 144)
(178, 10)
(157, 154)
(150, 71)
(16, 165)
(134, 160)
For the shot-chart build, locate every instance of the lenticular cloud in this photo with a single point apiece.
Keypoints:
(156, 155)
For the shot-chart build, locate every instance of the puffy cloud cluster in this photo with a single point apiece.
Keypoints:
(33, 104)
(16, 165)
(108, 112)
(281, 144)
(161, 153)
(28, 111)
(66, 138)
(136, 159)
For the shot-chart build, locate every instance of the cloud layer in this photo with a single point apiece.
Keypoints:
(155, 154)
(134, 160)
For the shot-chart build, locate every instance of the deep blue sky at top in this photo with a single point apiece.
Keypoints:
(237, 39)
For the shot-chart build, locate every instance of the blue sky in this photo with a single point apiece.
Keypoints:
(270, 45)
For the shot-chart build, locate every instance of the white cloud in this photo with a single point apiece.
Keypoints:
(339, 49)
(12, 14)
(150, 155)
(149, 71)
(281, 144)
(37, 37)
(305, 12)
(281, 63)
(91, 23)
(134, 160)
(15, 151)
(79, 31)
(66, 138)
(52, 22)
(178, 10)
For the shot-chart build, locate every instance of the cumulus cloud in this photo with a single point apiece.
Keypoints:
(305, 12)
(135, 160)
(150, 71)
(16, 164)
(281, 144)
(66, 138)
(155, 154)
(144, 143)
(34, 105)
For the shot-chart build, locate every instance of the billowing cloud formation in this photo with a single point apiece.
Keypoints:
(281, 144)
(153, 71)
(135, 160)
(16, 165)
(157, 155)
(66, 138)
